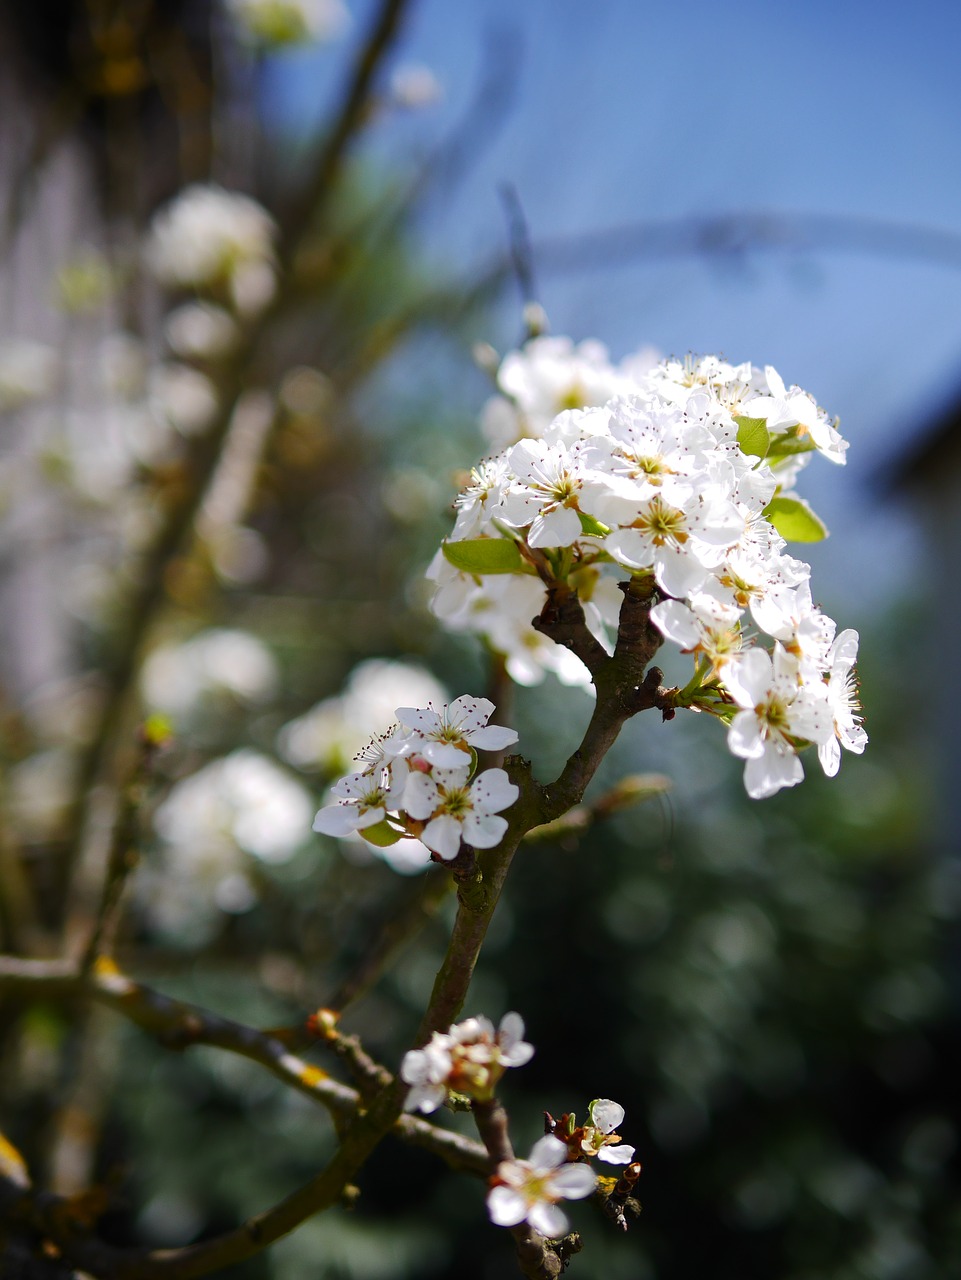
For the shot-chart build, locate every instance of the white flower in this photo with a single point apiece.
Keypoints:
(548, 375)
(365, 799)
(453, 809)
(28, 371)
(784, 409)
(776, 713)
(445, 737)
(199, 330)
(240, 804)
(599, 1138)
(843, 702)
(468, 1059)
(480, 498)
(208, 236)
(289, 22)
(790, 616)
(182, 396)
(414, 86)
(550, 480)
(528, 1190)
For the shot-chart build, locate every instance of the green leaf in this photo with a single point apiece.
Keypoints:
(381, 834)
(753, 436)
(794, 520)
(787, 445)
(593, 528)
(484, 555)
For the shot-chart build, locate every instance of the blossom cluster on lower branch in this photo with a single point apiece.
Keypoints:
(421, 779)
(465, 1064)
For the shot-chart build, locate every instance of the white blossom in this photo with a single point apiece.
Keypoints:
(207, 237)
(529, 1190)
(654, 475)
(28, 372)
(600, 1139)
(289, 22)
(777, 714)
(177, 678)
(363, 800)
(468, 1059)
(445, 737)
(335, 730)
(454, 809)
(842, 696)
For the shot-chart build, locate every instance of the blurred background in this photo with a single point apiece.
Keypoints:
(221, 484)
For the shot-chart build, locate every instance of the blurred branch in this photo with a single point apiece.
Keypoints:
(403, 923)
(19, 919)
(62, 115)
(371, 1076)
(741, 232)
(179, 524)
(175, 1023)
(535, 1257)
(357, 97)
(178, 1024)
(519, 240)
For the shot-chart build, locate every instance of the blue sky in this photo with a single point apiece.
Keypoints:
(625, 111)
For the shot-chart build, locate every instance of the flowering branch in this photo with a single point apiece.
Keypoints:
(535, 1257)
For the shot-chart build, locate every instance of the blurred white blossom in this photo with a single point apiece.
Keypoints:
(207, 237)
(414, 86)
(289, 22)
(183, 396)
(335, 730)
(28, 372)
(177, 676)
(242, 804)
(200, 330)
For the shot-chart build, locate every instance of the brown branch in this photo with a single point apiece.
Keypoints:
(178, 1024)
(370, 1075)
(350, 120)
(624, 681)
(562, 620)
(535, 1256)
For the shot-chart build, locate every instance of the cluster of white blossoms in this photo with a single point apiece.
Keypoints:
(421, 779)
(468, 1060)
(683, 479)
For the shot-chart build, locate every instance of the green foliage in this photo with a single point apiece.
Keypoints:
(753, 436)
(794, 520)
(484, 555)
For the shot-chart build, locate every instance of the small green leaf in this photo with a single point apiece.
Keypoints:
(484, 555)
(794, 520)
(787, 445)
(593, 528)
(381, 834)
(753, 436)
